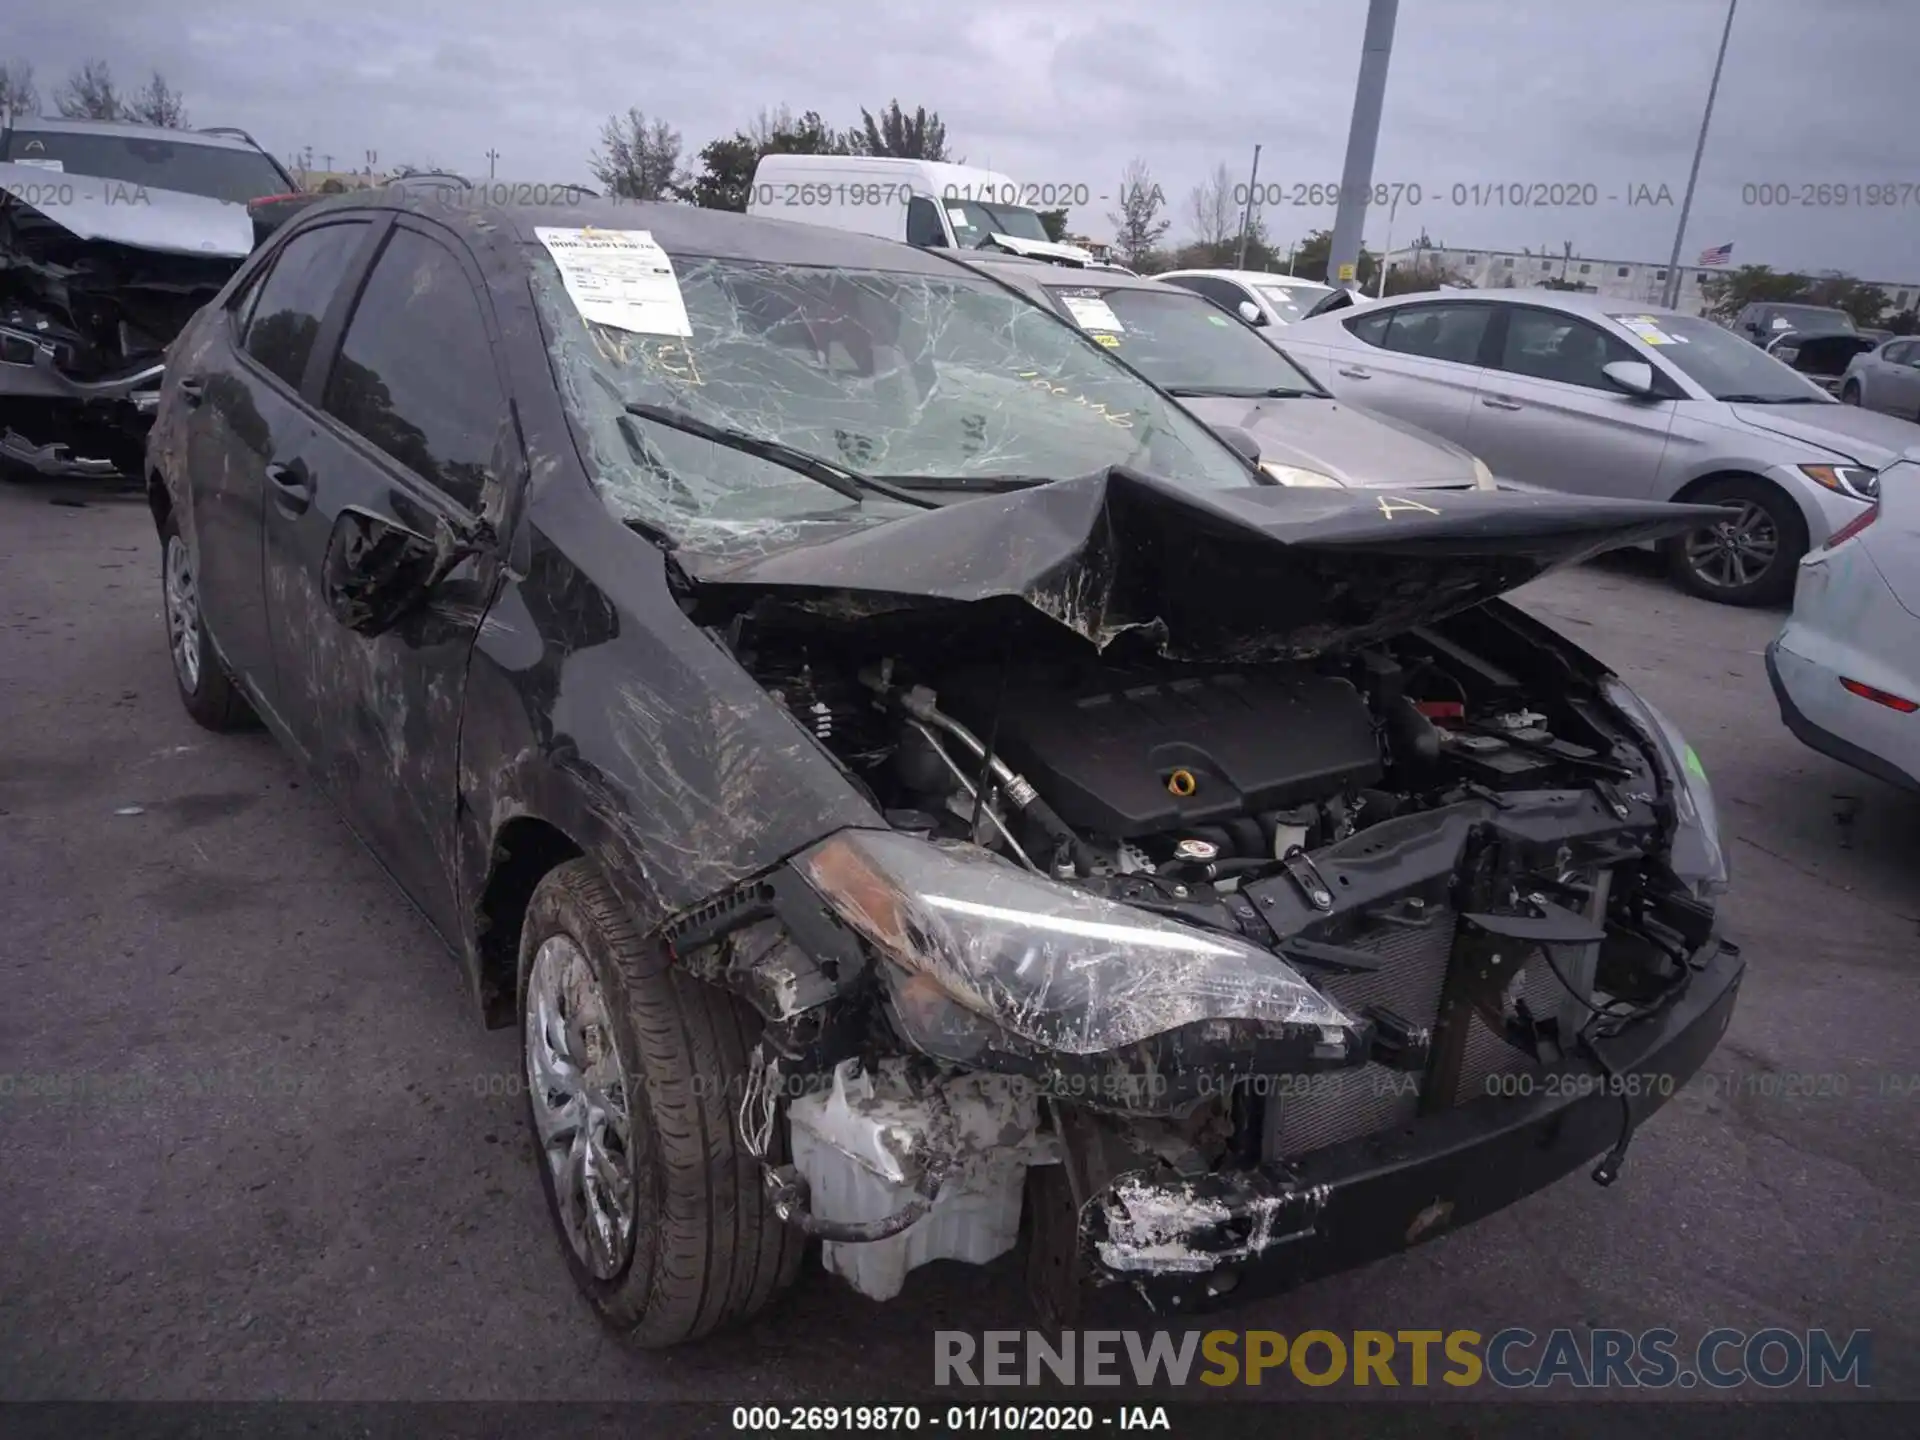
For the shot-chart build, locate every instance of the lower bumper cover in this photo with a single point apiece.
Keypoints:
(1817, 737)
(1257, 1232)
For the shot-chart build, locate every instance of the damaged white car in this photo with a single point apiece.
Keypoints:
(111, 235)
(910, 782)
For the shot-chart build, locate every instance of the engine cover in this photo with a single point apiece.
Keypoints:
(1101, 744)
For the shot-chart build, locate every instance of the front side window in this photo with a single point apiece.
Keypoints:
(415, 371)
(933, 381)
(1181, 342)
(923, 224)
(1550, 346)
(297, 291)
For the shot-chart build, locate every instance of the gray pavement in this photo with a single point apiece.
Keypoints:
(257, 1145)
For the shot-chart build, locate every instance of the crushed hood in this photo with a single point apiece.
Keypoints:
(118, 212)
(1210, 576)
(1863, 435)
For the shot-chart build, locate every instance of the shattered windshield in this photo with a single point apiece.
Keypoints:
(930, 382)
(217, 171)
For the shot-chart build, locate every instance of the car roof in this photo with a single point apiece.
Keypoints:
(679, 229)
(1254, 277)
(1040, 272)
(59, 125)
(1573, 302)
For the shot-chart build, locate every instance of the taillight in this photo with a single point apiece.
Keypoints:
(1880, 697)
(1853, 527)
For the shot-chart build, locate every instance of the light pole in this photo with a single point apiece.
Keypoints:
(1363, 133)
(1670, 292)
(1246, 215)
(1380, 280)
(492, 155)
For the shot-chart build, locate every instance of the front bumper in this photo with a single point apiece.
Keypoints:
(1260, 1231)
(74, 412)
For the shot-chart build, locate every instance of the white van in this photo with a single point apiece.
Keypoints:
(923, 202)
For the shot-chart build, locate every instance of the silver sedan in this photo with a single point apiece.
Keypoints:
(1886, 378)
(1570, 391)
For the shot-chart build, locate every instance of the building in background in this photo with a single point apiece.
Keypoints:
(1638, 282)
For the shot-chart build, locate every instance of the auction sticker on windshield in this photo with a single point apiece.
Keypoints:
(620, 278)
(1090, 312)
(1648, 329)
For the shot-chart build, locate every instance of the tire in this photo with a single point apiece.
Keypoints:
(702, 1247)
(1850, 393)
(1716, 563)
(206, 690)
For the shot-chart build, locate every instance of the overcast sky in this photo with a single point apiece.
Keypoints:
(1483, 92)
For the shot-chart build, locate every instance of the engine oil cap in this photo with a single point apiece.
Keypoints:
(1196, 852)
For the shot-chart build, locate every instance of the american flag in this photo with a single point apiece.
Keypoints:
(1718, 255)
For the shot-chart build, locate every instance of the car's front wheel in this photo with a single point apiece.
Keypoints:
(1850, 393)
(206, 690)
(634, 1076)
(1750, 557)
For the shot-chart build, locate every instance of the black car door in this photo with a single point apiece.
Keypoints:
(412, 430)
(244, 389)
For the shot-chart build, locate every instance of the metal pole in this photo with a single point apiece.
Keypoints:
(1246, 215)
(1380, 281)
(492, 155)
(1670, 292)
(1356, 180)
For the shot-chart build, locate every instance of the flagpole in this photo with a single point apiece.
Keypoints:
(1670, 293)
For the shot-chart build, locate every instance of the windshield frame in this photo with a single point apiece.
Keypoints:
(115, 158)
(731, 512)
(1717, 340)
(1057, 292)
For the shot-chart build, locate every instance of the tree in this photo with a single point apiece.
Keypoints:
(1865, 303)
(17, 93)
(1728, 293)
(920, 136)
(1056, 223)
(727, 165)
(1311, 259)
(639, 159)
(89, 94)
(157, 104)
(1907, 322)
(1211, 210)
(1137, 226)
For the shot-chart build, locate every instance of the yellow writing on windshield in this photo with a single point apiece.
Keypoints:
(1121, 418)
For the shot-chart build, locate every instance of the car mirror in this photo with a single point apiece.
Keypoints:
(377, 572)
(1635, 377)
(1250, 312)
(1241, 441)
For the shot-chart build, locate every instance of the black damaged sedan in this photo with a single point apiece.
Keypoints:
(914, 787)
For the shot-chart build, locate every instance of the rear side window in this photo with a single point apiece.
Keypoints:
(1223, 293)
(286, 318)
(415, 373)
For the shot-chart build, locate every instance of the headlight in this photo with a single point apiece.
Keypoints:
(1856, 481)
(1293, 475)
(1699, 859)
(1482, 476)
(1060, 968)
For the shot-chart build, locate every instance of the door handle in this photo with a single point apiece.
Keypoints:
(192, 390)
(293, 484)
(1500, 402)
(1354, 372)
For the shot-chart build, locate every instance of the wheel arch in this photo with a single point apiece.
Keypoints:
(525, 849)
(1810, 521)
(159, 498)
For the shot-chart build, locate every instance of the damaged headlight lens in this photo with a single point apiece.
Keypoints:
(1699, 860)
(1062, 969)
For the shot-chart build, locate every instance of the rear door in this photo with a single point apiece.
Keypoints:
(412, 428)
(1421, 363)
(1546, 415)
(244, 389)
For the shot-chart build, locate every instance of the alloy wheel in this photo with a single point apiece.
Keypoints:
(578, 1088)
(183, 614)
(1735, 552)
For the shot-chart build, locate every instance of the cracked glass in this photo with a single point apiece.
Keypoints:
(932, 382)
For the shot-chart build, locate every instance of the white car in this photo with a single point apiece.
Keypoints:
(1846, 669)
(1277, 300)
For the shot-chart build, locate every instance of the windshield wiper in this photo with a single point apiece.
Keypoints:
(992, 484)
(850, 483)
(1238, 392)
(1770, 399)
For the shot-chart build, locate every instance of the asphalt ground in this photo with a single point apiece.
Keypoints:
(257, 1145)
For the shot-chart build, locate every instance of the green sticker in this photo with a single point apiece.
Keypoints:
(1217, 320)
(1692, 762)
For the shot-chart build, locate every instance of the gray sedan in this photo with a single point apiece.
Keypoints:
(1579, 392)
(1886, 379)
(1220, 369)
